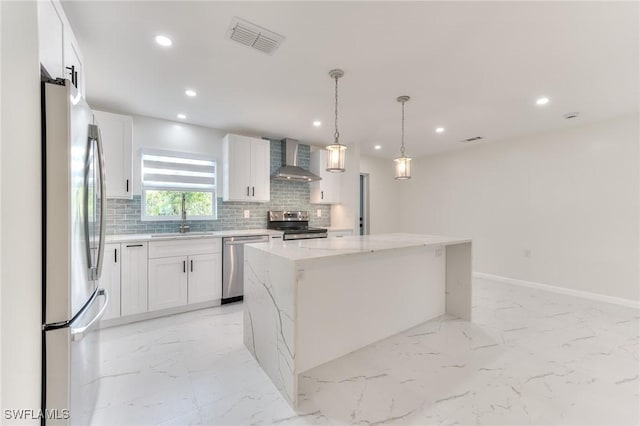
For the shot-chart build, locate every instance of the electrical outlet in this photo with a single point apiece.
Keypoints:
(527, 253)
(438, 252)
(247, 214)
(319, 212)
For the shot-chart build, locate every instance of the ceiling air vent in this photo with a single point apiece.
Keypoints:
(473, 139)
(254, 36)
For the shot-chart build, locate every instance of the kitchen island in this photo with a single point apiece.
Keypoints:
(308, 302)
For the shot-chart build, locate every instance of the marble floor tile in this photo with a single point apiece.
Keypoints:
(529, 358)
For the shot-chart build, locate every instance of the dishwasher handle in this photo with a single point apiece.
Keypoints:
(234, 241)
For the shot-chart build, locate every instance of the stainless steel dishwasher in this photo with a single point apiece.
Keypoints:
(233, 265)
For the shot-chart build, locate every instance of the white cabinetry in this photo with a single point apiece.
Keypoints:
(246, 166)
(59, 51)
(133, 285)
(205, 277)
(116, 131)
(110, 279)
(327, 190)
(167, 282)
(184, 272)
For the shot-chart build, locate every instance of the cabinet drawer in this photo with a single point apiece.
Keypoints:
(186, 247)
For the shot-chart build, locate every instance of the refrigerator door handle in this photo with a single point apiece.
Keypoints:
(103, 202)
(78, 333)
(95, 271)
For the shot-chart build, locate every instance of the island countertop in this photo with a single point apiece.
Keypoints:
(308, 302)
(326, 247)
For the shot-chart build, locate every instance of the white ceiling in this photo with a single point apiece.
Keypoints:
(475, 68)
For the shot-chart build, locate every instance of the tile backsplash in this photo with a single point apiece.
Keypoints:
(123, 216)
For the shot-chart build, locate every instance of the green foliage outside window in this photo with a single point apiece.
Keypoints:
(168, 203)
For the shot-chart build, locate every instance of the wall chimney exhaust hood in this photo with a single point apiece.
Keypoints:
(290, 170)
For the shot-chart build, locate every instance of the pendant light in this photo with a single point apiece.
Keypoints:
(336, 154)
(403, 163)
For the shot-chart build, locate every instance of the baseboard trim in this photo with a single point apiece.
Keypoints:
(562, 290)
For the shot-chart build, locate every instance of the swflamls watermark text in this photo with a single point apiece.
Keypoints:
(30, 414)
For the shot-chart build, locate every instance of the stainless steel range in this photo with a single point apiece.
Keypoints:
(294, 224)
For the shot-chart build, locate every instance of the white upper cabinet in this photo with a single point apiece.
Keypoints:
(73, 61)
(327, 190)
(117, 131)
(246, 166)
(59, 51)
(51, 39)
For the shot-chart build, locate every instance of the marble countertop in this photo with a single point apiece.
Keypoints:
(322, 248)
(124, 238)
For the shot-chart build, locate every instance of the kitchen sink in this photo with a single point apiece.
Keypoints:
(179, 234)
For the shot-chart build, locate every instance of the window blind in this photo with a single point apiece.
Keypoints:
(177, 172)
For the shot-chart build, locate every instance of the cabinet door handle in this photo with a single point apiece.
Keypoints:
(253, 191)
(184, 266)
(72, 72)
(127, 185)
(115, 255)
(247, 191)
(192, 266)
(322, 195)
(134, 245)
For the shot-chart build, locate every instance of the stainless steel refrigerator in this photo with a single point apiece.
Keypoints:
(72, 250)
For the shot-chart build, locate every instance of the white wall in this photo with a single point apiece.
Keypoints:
(21, 208)
(384, 195)
(559, 209)
(174, 136)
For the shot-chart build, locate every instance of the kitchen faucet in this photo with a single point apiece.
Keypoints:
(183, 226)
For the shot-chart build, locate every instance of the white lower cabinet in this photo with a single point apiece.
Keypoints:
(205, 277)
(184, 272)
(133, 284)
(110, 279)
(167, 282)
(148, 277)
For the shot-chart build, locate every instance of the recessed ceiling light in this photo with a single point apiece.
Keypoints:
(182, 116)
(377, 147)
(542, 101)
(190, 93)
(439, 129)
(163, 41)
(317, 123)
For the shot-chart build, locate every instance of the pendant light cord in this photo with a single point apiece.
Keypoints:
(402, 142)
(336, 135)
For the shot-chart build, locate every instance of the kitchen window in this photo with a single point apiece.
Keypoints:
(167, 175)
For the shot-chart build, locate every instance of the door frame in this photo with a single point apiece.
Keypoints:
(364, 208)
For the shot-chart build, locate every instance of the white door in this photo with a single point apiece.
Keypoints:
(260, 170)
(116, 133)
(110, 279)
(133, 285)
(205, 277)
(73, 62)
(327, 190)
(167, 282)
(237, 164)
(50, 39)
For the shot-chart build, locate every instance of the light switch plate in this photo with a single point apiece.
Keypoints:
(247, 214)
